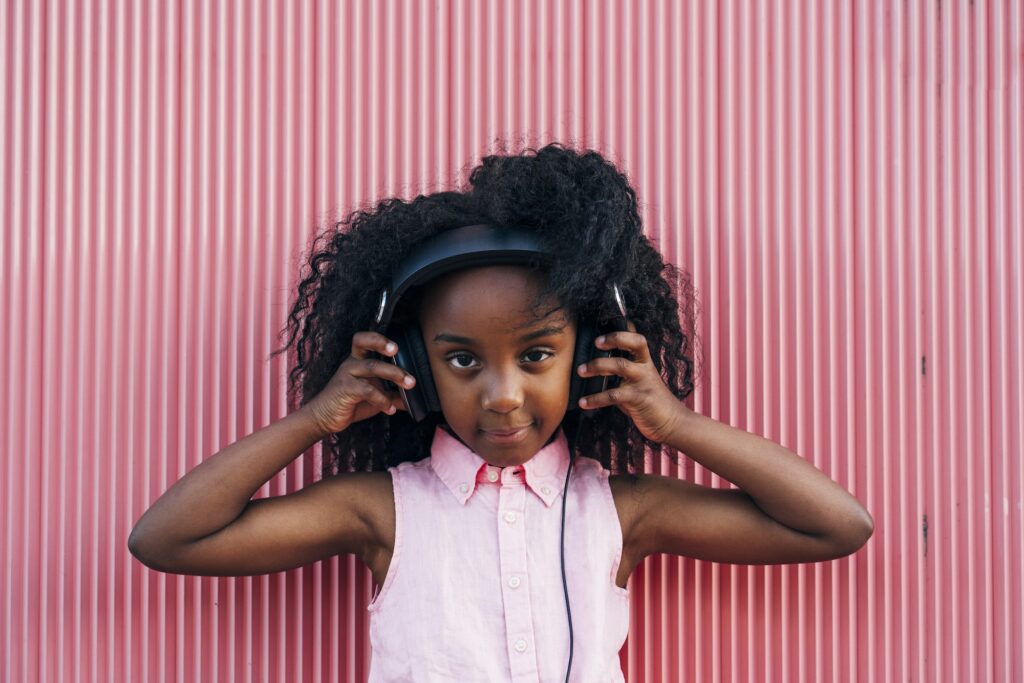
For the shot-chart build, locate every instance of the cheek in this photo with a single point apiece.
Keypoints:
(456, 395)
(558, 381)
(566, 368)
(447, 392)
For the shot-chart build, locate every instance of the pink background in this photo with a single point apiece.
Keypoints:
(843, 179)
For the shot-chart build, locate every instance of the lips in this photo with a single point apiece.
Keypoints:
(507, 436)
(507, 431)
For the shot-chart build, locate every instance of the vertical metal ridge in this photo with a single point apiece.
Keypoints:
(1003, 626)
(49, 313)
(983, 271)
(932, 523)
(10, 249)
(874, 193)
(1014, 358)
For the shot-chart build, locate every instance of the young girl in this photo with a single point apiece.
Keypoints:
(500, 526)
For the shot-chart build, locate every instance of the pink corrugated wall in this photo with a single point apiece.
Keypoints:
(844, 180)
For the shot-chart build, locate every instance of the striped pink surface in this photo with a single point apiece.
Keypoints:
(844, 181)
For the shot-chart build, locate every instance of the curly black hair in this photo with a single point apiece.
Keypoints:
(582, 208)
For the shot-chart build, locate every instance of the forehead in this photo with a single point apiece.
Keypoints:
(485, 295)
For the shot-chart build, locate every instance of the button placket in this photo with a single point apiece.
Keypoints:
(515, 588)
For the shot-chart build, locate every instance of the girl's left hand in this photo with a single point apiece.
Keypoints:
(641, 394)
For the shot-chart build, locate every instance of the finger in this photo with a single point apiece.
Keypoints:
(365, 341)
(382, 369)
(377, 398)
(616, 396)
(633, 342)
(615, 365)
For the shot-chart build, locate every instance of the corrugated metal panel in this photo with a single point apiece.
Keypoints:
(844, 180)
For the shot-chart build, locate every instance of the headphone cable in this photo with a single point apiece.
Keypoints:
(565, 585)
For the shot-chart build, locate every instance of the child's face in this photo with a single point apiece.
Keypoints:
(493, 380)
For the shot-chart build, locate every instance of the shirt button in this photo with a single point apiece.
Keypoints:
(493, 476)
(521, 645)
(545, 490)
(464, 488)
(514, 582)
(510, 517)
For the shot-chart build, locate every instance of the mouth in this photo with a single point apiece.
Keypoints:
(507, 435)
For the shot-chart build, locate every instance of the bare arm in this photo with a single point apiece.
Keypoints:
(786, 510)
(216, 492)
(781, 483)
(206, 523)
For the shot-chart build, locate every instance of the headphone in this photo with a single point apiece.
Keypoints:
(479, 245)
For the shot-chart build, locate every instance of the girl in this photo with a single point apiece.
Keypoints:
(459, 515)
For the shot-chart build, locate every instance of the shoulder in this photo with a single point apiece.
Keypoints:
(378, 508)
(625, 493)
(651, 506)
(671, 515)
(368, 497)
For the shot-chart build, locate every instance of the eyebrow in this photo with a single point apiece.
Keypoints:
(543, 332)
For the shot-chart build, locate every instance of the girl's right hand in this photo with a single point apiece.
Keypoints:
(356, 391)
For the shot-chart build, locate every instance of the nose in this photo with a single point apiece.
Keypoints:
(503, 392)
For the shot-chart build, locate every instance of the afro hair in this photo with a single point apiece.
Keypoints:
(583, 209)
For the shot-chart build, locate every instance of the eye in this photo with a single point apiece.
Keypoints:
(459, 355)
(541, 351)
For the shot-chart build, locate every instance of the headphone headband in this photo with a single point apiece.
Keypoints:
(470, 245)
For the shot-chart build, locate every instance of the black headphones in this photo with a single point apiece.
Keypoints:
(479, 245)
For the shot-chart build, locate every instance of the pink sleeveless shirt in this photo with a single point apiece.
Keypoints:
(474, 589)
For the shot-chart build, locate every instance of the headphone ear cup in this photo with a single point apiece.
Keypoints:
(404, 360)
(586, 332)
(420, 369)
(585, 335)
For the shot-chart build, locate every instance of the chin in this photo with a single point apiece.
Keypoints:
(515, 453)
(506, 451)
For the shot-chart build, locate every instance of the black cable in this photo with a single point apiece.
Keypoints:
(565, 585)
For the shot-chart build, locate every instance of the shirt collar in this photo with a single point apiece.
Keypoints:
(461, 469)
